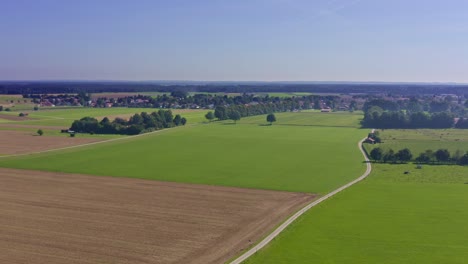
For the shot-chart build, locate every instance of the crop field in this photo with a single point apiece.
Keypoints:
(58, 218)
(15, 102)
(419, 140)
(391, 217)
(293, 158)
(307, 152)
(22, 142)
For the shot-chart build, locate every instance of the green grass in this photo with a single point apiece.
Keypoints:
(389, 218)
(65, 117)
(419, 140)
(310, 118)
(279, 157)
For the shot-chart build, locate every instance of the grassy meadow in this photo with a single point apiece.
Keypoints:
(303, 158)
(391, 217)
(419, 140)
(65, 117)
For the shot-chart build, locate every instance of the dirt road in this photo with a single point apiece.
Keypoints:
(283, 226)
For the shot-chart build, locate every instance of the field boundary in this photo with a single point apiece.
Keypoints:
(291, 219)
(93, 143)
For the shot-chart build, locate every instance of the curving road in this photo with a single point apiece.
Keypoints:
(283, 226)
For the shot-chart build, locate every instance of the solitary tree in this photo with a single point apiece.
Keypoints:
(210, 116)
(271, 118)
(376, 154)
(234, 115)
(40, 132)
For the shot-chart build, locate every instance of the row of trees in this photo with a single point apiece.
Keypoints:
(376, 117)
(420, 104)
(239, 111)
(442, 156)
(234, 115)
(178, 99)
(138, 123)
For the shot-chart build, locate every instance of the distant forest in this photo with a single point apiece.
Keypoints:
(229, 87)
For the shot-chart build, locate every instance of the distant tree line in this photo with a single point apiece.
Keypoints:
(380, 113)
(441, 156)
(55, 87)
(377, 118)
(179, 99)
(137, 124)
(237, 111)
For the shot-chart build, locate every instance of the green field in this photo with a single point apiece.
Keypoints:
(280, 157)
(419, 140)
(311, 118)
(65, 117)
(389, 218)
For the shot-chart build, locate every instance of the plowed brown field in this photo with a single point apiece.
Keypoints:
(67, 218)
(20, 142)
(14, 117)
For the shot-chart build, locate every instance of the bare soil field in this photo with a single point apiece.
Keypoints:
(14, 125)
(21, 142)
(15, 117)
(68, 218)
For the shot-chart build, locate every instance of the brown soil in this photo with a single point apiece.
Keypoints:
(14, 125)
(20, 142)
(67, 218)
(14, 117)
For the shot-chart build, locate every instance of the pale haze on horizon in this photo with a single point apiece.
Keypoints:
(245, 40)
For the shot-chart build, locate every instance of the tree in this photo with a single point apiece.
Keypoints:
(210, 116)
(234, 115)
(457, 156)
(40, 132)
(183, 121)
(376, 154)
(177, 120)
(36, 108)
(425, 157)
(220, 112)
(271, 118)
(389, 156)
(404, 155)
(1, 107)
(442, 155)
(463, 160)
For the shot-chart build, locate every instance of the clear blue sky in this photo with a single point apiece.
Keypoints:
(238, 40)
